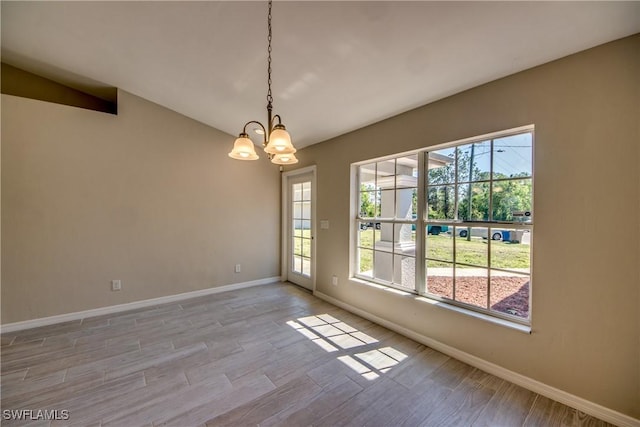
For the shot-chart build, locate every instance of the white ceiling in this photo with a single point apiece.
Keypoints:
(337, 66)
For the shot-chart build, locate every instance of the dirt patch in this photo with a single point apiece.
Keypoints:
(509, 295)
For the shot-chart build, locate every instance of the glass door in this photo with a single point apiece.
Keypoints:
(300, 229)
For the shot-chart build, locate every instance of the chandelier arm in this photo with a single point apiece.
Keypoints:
(264, 131)
(277, 116)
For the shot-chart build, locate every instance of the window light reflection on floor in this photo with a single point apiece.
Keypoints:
(333, 335)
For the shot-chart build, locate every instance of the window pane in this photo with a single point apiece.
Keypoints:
(442, 168)
(297, 264)
(306, 210)
(387, 204)
(510, 293)
(297, 246)
(441, 202)
(512, 251)
(439, 243)
(471, 249)
(297, 227)
(440, 278)
(478, 194)
(474, 161)
(365, 258)
(368, 204)
(383, 266)
(297, 192)
(385, 176)
(297, 209)
(383, 240)
(306, 247)
(306, 266)
(512, 156)
(406, 203)
(306, 190)
(405, 272)
(377, 233)
(512, 200)
(471, 285)
(365, 235)
(404, 239)
(407, 171)
(367, 176)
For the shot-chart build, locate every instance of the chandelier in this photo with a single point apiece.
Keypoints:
(276, 140)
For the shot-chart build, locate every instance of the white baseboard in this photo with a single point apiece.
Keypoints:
(44, 321)
(583, 405)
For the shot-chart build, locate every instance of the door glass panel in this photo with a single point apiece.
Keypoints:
(301, 219)
(306, 191)
(297, 192)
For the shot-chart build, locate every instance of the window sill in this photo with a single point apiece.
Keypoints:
(487, 318)
(491, 319)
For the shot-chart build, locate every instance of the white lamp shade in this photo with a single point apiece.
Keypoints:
(243, 149)
(279, 142)
(284, 159)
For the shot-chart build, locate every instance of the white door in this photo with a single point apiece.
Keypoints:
(299, 226)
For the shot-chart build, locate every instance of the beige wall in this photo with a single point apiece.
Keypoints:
(148, 196)
(586, 256)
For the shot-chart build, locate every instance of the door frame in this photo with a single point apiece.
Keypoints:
(285, 248)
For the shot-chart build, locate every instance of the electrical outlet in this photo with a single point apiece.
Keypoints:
(238, 268)
(334, 280)
(116, 285)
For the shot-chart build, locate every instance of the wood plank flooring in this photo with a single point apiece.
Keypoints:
(270, 355)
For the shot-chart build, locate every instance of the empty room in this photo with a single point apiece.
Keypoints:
(327, 213)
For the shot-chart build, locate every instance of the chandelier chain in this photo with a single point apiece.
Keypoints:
(269, 96)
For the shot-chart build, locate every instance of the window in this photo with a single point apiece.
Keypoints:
(388, 191)
(453, 223)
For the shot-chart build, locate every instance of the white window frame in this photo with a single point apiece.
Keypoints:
(421, 222)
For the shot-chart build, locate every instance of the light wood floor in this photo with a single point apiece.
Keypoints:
(269, 355)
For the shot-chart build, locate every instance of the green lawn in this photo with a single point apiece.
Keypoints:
(503, 254)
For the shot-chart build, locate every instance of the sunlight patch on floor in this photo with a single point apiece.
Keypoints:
(333, 335)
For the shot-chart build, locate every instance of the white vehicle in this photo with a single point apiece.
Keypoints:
(480, 232)
(514, 236)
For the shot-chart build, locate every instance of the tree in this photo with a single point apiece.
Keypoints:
(367, 201)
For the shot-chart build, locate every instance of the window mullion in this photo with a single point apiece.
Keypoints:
(490, 229)
(421, 210)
